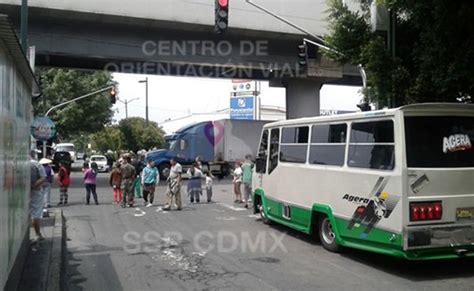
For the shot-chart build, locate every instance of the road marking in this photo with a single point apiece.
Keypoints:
(226, 218)
(232, 207)
(253, 216)
(142, 213)
(160, 209)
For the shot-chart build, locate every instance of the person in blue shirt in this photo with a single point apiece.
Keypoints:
(150, 177)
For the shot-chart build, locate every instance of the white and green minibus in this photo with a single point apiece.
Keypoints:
(398, 182)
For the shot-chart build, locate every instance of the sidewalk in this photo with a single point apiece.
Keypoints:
(44, 265)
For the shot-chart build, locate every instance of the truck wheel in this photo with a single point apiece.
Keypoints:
(327, 235)
(164, 170)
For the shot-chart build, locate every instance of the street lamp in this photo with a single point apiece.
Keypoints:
(146, 98)
(126, 104)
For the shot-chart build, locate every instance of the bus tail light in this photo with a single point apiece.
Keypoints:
(421, 211)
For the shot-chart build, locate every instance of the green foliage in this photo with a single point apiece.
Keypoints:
(130, 134)
(434, 51)
(110, 138)
(138, 136)
(78, 118)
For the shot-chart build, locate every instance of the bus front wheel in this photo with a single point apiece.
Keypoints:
(327, 235)
(259, 206)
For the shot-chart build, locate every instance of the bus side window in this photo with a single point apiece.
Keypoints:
(261, 162)
(328, 144)
(372, 145)
(274, 149)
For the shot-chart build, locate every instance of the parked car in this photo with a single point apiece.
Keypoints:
(80, 156)
(101, 162)
(64, 157)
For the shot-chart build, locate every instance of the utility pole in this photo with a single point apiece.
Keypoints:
(126, 104)
(146, 98)
(24, 26)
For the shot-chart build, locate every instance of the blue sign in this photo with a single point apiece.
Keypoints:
(242, 107)
(43, 128)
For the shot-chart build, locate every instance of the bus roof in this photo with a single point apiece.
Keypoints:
(420, 107)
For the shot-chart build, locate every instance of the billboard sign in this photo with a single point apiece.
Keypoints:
(242, 107)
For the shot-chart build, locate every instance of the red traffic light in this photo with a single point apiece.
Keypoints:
(223, 3)
(113, 96)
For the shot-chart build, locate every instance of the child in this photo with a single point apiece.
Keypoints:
(115, 182)
(64, 180)
(237, 182)
(209, 187)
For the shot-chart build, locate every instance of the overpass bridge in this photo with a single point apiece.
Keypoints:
(176, 37)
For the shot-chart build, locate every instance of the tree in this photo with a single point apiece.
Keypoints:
(434, 50)
(138, 136)
(110, 138)
(83, 117)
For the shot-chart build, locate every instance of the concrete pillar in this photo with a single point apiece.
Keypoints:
(302, 98)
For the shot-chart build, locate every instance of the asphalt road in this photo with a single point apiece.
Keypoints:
(222, 246)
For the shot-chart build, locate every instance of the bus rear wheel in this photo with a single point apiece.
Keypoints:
(327, 235)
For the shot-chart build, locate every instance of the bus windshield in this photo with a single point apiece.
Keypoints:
(439, 141)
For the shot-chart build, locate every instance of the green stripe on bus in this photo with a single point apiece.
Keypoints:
(377, 240)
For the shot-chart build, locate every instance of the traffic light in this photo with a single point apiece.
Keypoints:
(113, 96)
(364, 106)
(222, 16)
(303, 54)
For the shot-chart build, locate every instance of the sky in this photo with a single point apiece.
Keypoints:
(173, 97)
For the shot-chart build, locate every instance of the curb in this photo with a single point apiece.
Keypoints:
(56, 267)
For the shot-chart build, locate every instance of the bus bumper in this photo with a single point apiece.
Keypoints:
(438, 242)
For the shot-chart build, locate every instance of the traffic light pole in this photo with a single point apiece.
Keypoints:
(323, 44)
(70, 101)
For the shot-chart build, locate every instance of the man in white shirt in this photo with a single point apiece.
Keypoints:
(174, 185)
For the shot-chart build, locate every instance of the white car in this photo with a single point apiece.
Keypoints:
(67, 147)
(101, 162)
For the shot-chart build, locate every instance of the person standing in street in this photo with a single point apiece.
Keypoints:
(237, 181)
(194, 183)
(64, 181)
(115, 182)
(48, 183)
(138, 164)
(209, 187)
(247, 170)
(128, 177)
(90, 181)
(174, 185)
(38, 178)
(150, 177)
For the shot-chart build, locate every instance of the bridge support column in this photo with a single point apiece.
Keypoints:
(302, 98)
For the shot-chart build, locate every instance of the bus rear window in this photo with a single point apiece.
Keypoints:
(439, 141)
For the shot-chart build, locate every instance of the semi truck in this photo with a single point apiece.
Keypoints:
(217, 144)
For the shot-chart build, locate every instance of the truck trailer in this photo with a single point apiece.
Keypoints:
(218, 144)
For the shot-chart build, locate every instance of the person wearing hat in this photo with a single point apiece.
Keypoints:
(49, 181)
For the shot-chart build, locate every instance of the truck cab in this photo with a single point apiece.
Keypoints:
(186, 144)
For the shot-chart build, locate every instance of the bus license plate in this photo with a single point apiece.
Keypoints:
(464, 213)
